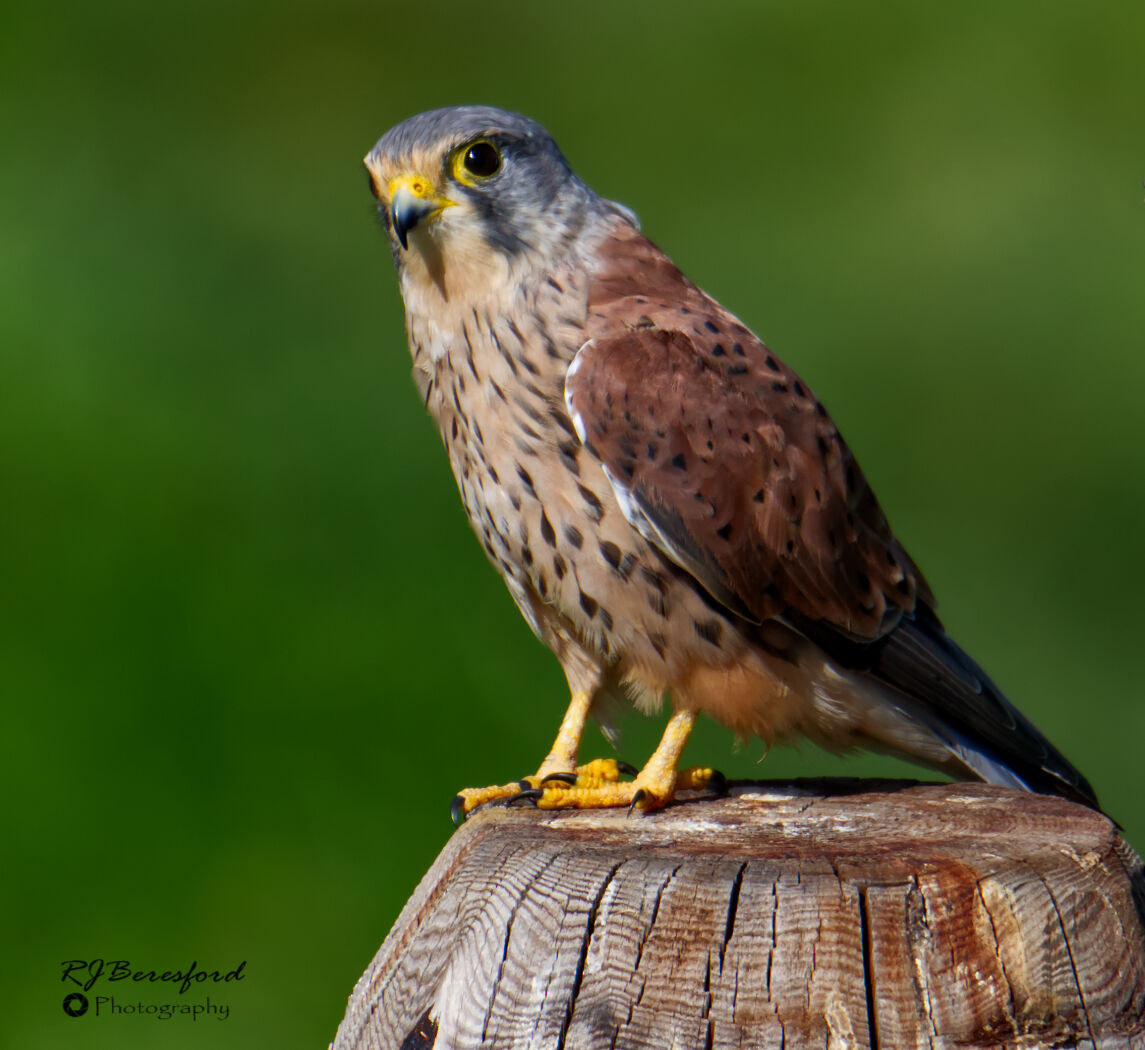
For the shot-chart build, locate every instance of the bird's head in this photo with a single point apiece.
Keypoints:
(472, 195)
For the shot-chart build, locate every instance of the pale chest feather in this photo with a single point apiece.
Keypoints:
(492, 378)
(539, 503)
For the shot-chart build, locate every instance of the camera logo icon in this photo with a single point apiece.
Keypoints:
(75, 1005)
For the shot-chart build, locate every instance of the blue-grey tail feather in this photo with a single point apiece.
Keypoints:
(938, 683)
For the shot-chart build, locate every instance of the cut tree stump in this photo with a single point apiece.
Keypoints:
(825, 914)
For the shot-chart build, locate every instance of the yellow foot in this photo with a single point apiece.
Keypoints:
(529, 789)
(596, 785)
(649, 791)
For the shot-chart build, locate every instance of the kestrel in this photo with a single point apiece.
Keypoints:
(670, 506)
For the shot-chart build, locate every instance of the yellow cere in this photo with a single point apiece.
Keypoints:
(418, 185)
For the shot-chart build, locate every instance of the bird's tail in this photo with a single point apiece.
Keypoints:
(933, 681)
(969, 713)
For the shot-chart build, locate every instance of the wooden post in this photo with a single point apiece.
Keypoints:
(818, 914)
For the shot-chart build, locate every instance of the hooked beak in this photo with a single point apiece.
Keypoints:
(411, 203)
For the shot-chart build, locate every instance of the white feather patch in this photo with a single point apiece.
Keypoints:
(574, 415)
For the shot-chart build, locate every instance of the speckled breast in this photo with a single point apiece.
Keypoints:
(540, 504)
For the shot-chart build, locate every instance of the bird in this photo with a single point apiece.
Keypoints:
(670, 506)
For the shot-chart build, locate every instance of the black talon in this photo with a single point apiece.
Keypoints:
(528, 795)
(457, 811)
(524, 785)
(718, 783)
(627, 769)
(559, 778)
(639, 797)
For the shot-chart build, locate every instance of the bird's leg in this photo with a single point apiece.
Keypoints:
(558, 768)
(598, 786)
(562, 756)
(561, 784)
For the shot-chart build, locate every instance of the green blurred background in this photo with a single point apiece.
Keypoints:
(250, 648)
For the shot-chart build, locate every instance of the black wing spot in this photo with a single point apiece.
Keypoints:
(589, 604)
(714, 329)
(573, 535)
(679, 461)
(725, 532)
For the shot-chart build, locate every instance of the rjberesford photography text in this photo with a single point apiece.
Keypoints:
(87, 974)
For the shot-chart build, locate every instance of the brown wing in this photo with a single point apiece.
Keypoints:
(724, 459)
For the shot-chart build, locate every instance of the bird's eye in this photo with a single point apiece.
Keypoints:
(481, 159)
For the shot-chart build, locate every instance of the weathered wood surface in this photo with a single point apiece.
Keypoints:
(825, 914)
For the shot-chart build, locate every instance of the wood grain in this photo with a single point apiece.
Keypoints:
(828, 914)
